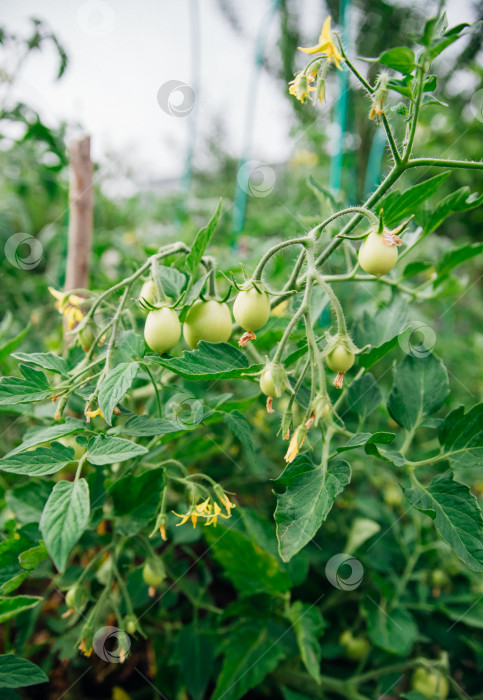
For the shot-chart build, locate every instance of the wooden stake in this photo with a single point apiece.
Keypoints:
(81, 202)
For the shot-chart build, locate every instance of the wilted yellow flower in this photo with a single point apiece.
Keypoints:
(295, 444)
(326, 45)
(92, 414)
(68, 305)
(299, 87)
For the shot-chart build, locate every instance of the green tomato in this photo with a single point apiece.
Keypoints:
(148, 292)
(267, 385)
(162, 329)
(393, 495)
(340, 359)
(153, 573)
(251, 309)
(432, 685)
(356, 648)
(207, 320)
(87, 336)
(439, 578)
(75, 598)
(375, 257)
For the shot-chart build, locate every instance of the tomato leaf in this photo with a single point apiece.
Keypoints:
(46, 360)
(39, 462)
(364, 396)
(309, 496)
(461, 436)
(109, 450)
(19, 673)
(308, 626)
(64, 519)
(395, 631)
(47, 434)
(9, 607)
(399, 205)
(114, 387)
(456, 514)
(420, 388)
(210, 361)
(240, 427)
(33, 386)
(201, 241)
(252, 652)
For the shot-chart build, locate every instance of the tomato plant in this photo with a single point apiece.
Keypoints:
(148, 495)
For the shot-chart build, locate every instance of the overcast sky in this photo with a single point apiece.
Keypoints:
(121, 52)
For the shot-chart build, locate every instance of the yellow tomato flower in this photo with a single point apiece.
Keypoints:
(92, 414)
(326, 45)
(299, 87)
(68, 305)
(295, 444)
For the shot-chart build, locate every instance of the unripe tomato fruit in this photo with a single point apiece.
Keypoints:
(375, 257)
(340, 359)
(87, 336)
(148, 292)
(439, 578)
(207, 320)
(75, 597)
(162, 329)
(70, 441)
(152, 577)
(251, 309)
(393, 495)
(267, 385)
(356, 648)
(432, 685)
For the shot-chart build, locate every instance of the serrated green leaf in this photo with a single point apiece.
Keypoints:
(362, 439)
(308, 626)
(395, 631)
(364, 396)
(250, 654)
(144, 426)
(392, 457)
(399, 205)
(64, 519)
(240, 427)
(48, 434)
(420, 388)
(46, 360)
(309, 496)
(9, 607)
(7, 348)
(461, 437)
(400, 58)
(172, 280)
(33, 386)
(210, 361)
(458, 201)
(201, 241)
(31, 558)
(114, 387)
(455, 257)
(130, 346)
(456, 515)
(109, 450)
(239, 555)
(38, 462)
(19, 673)
(195, 655)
